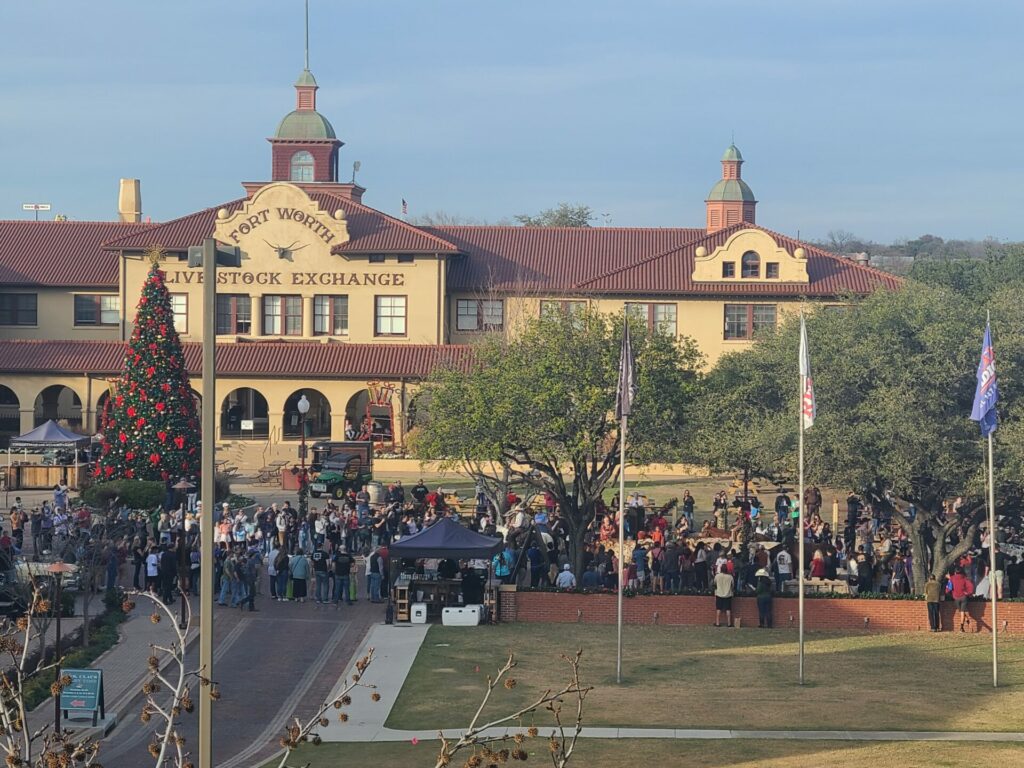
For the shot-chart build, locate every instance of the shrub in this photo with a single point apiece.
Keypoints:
(137, 494)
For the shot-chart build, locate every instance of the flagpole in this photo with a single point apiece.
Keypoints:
(992, 560)
(800, 507)
(992, 540)
(622, 541)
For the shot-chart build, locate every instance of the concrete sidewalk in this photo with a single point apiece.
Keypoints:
(395, 650)
(124, 666)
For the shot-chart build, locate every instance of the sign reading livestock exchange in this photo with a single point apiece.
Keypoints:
(231, 277)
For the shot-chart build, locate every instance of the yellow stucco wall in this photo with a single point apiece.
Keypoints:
(792, 267)
(292, 257)
(703, 320)
(55, 317)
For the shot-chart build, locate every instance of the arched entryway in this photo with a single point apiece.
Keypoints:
(244, 415)
(61, 404)
(318, 420)
(10, 415)
(369, 415)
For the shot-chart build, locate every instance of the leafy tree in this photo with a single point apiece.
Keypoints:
(540, 407)
(894, 378)
(150, 429)
(562, 215)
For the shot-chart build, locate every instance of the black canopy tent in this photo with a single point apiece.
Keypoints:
(445, 539)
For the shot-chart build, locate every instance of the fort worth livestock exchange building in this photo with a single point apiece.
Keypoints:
(351, 306)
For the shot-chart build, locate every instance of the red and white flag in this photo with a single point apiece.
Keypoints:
(808, 407)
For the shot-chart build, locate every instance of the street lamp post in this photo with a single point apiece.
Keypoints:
(303, 406)
(58, 570)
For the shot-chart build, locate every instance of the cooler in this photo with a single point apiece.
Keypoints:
(418, 613)
(462, 615)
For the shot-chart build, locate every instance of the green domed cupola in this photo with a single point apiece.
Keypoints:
(305, 146)
(732, 153)
(730, 201)
(304, 124)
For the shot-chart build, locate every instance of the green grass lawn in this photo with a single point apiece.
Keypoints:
(607, 753)
(702, 677)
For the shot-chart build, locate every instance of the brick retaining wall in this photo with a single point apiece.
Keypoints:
(820, 613)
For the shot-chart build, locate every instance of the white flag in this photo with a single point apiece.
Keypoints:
(808, 407)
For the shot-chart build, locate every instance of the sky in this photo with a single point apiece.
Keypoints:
(886, 119)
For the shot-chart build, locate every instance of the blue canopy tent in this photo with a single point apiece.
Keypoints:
(48, 435)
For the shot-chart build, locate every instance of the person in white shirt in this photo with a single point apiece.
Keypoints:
(565, 579)
(272, 571)
(783, 568)
(152, 569)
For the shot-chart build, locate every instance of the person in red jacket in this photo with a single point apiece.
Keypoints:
(960, 588)
(818, 565)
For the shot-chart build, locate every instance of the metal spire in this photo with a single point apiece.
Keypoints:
(307, 34)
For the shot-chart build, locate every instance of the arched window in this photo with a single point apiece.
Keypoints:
(750, 266)
(302, 166)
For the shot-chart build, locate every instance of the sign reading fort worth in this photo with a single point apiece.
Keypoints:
(283, 219)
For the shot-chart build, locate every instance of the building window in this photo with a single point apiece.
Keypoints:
(389, 315)
(282, 315)
(97, 309)
(479, 314)
(18, 309)
(715, 218)
(376, 258)
(302, 166)
(572, 309)
(742, 321)
(406, 258)
(660, 317)
(234, 313)
(330, 315)
(750, 265)
(179, 307)
(728, 269)
(771, 270)
(732, 217)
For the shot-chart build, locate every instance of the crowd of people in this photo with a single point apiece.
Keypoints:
(740, 547)
(746, 547)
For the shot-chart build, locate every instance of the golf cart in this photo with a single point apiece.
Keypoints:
(339, 466)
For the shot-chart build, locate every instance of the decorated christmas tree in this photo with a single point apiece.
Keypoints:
(150, 425)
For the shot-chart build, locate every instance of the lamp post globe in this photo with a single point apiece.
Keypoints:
(303, 408)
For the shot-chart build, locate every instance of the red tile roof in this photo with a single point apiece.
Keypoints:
(557, 259)
(60, 253)
(671, 273)
(282, 359)
(370, 231)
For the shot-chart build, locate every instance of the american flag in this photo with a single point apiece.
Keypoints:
(405, 207)
(808, 406)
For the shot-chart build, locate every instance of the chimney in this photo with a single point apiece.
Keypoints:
(129, 201)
